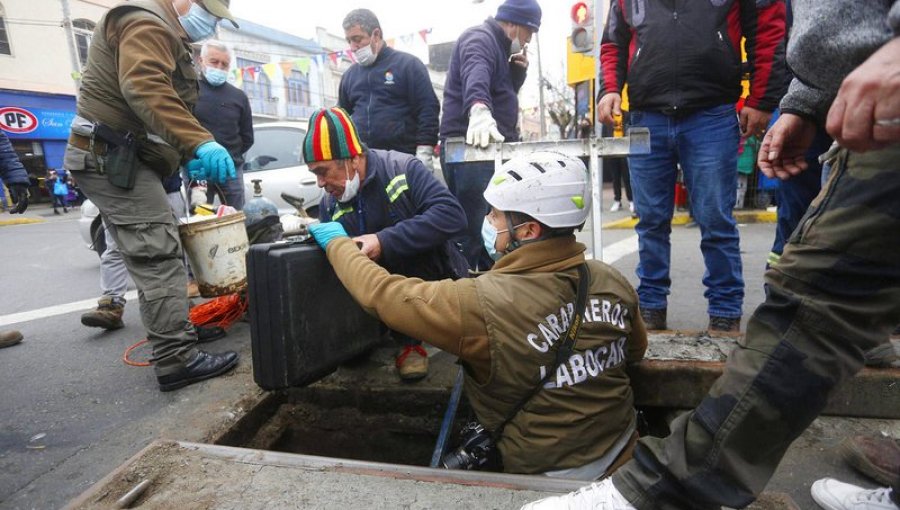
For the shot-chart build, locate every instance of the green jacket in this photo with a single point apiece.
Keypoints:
(503, 326)
(140, 75)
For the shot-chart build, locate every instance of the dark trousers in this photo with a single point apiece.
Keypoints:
(467, 182)
(833, 295)
(619, 169)
(60, 201)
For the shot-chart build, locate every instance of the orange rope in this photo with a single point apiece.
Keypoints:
(221, 311)
(128, 361)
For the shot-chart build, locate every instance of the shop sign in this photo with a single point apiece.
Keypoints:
(17, 120)
(35, 123)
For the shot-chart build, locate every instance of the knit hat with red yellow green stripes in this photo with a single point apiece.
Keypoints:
(331, 135)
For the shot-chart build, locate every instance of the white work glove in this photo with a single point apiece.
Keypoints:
(425, 154)
(482, 127)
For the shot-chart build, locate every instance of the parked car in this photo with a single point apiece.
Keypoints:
(276, 158)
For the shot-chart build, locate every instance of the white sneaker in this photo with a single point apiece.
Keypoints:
(831, 494)
(631, 207)
(596, 496)
(615, 207)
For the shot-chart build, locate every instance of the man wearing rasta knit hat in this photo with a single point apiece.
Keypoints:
(487, 69)
(402, 217)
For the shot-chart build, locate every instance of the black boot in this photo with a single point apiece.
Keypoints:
(204, 366)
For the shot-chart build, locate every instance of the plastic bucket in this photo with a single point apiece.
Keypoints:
(217, 249)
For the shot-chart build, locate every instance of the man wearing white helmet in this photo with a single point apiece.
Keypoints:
(573, 418)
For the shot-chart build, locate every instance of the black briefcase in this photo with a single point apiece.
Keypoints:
(303, 322)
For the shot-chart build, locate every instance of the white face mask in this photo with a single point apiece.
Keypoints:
(516, 46)
(365, 56)
(351, 186)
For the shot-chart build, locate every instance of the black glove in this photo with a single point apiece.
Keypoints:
(19, 194)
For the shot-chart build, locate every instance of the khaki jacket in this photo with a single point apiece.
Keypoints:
(504, 325)
(140, 75)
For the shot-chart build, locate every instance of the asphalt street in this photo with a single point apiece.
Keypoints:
(66, 389)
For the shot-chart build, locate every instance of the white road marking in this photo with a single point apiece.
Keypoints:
(618, 250)
(52, 311)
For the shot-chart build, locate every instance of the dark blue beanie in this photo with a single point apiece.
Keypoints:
(521, 12)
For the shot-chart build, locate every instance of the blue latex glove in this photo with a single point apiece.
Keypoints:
(196, 171)
(324, 233)
(216, 161)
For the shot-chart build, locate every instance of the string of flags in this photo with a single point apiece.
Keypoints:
(303, 64)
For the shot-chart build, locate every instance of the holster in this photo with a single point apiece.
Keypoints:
(120, 162)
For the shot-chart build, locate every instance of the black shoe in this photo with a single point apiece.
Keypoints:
(206, 334)
(204, 366)
(654, 319)
(56, 212)
(724, 325)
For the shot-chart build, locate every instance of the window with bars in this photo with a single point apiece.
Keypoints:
(83, 30)
(258, 88)
(5, 49)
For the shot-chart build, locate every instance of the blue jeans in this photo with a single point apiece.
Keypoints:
(795, 194)
(705, 143)
(467, 182)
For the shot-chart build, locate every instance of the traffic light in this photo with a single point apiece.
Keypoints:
(582, 28)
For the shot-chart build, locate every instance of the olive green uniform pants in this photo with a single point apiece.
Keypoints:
(834, 294)
(144, 228)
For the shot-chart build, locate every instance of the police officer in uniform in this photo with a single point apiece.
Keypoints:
(507, 324)
(133, 128)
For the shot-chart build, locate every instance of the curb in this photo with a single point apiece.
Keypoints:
(682, 219)
(20, 221)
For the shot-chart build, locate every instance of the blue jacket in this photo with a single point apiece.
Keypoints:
(11, 169)
(414, 216)
(391, 102)
(480, 72)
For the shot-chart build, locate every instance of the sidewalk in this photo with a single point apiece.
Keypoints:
(38, 213)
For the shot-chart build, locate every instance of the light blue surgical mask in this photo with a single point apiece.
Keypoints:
(215, 77)
(489, 235)
(198, 23)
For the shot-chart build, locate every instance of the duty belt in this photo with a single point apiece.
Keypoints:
(98, 148)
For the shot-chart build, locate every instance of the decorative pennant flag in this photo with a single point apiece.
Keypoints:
(303, 65)
(406, 39)
(319, 60)
(250, 71)
(270, 70)
(286, 68)
(333, 56)
(390, 42)
(238, 76)
(348, 54)
(424, 34)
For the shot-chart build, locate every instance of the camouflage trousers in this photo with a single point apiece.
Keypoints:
(143, 226)
(834, 294)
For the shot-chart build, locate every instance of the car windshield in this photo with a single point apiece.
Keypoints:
(274, 148)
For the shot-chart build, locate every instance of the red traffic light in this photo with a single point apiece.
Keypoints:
(580, 13)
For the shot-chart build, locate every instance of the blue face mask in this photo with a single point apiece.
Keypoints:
(215, 77)
(198, 23)
(489, 235)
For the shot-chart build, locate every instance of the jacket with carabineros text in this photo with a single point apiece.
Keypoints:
(140, 75)
(505, 326)
(684, 55)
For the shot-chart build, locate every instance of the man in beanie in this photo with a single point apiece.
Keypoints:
(388, 93)
(487, 69)
(403, 218)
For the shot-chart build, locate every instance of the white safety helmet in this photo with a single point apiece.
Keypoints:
(548, 186)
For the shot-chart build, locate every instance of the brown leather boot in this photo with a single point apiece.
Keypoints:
(877, 457)
(9, 338)
(107, 315)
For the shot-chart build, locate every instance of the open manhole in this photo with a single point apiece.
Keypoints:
(394, 426)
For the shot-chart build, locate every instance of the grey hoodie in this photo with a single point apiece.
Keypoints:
(829, 39)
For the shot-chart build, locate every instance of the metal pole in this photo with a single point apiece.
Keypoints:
(70, 37)
(596, 219)
(537, 42)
